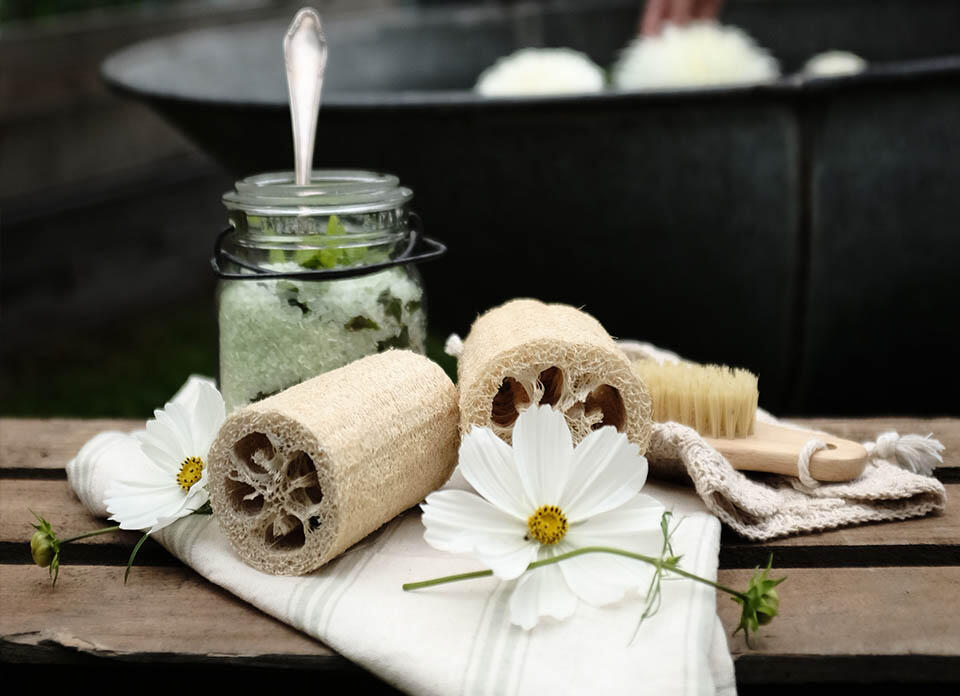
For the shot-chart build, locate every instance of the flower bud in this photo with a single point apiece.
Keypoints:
(760, 601)
(42, 548)
(769, 606)
(45, 547)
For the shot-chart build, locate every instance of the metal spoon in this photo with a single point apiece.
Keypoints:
(305, 55)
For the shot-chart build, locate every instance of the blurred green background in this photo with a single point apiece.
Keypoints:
(124, 369)
(107, 214)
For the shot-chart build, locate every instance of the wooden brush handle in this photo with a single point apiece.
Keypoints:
(775, 449)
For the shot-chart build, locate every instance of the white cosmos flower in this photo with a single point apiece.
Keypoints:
(542, 498)
(697, 54)
(531, 71)
(170, 480)
(832, 63)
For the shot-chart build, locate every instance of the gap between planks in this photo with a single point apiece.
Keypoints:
(931, 540)
(830, 619)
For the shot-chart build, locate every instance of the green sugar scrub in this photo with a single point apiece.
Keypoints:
(313, 277)
(277, 333)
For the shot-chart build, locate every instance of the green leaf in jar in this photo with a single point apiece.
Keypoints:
(334, 226)
(401, 340)
(392, 306)
(324, 258)
(297, 303)
(360, 322)
(352, 255)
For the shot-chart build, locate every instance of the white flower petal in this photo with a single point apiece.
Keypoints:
(702, 52)
(148, 496)
(541, 592)
(638, 515)
(120, 453)
(456, 520)
(462, 522)
(608, 470)
(187, 394)
(167, 519)
(179, 421)
(508, 563)
(541, 71)
(468, 512)
(157, 453)
(161, 441)
(207, 417)
(543, 452)
(147, 477)
(600, 579)
(185, 427)
(142, 510)
(507, 555)
(486, 462)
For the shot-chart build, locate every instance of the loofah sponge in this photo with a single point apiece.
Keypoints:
(299, 477)
(698, 54)
(527, 352)
(541, 71)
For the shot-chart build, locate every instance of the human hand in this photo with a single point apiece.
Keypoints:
(656, 13)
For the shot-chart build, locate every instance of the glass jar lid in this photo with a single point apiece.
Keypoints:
(330, 191)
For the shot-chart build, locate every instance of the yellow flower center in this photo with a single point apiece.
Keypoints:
(190, 472)
(547, 524)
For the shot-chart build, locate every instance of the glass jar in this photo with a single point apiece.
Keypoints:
(313, 277)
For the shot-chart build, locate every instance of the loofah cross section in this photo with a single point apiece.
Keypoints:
(298, 478)
(528, 352)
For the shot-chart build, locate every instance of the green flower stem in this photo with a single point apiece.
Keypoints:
(659, 563)
(105, 530)
(450, 578)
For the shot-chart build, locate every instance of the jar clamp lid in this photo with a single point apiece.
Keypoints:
(329, 193)
(419, 249)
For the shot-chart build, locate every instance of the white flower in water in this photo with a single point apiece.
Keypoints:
(832, 63)
(532, 71)
(698, 54)
(542, 498)
(170, 481)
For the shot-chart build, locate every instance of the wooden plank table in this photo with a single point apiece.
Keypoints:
(863, 605)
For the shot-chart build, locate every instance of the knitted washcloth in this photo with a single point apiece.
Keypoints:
(768, 506)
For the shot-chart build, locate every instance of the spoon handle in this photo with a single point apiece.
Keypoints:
(305, 55)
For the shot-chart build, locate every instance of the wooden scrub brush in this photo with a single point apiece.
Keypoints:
(720, 403)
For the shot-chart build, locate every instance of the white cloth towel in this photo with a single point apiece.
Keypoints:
(457, 638)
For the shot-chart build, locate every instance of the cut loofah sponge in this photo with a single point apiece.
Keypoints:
(298, 478)
(527, 352)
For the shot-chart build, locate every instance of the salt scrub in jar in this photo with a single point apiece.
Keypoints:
(314, 277)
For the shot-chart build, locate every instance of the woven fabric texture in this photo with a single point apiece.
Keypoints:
(766, 506)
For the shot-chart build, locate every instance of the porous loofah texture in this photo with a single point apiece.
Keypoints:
(298, 478)
(527, 352)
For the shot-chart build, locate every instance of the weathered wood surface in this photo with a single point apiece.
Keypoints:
(905, 610)
(843, 618)
(48, 444)
(188, 616)
(27, 442)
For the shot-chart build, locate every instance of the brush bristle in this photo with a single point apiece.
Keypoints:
(714, 400)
